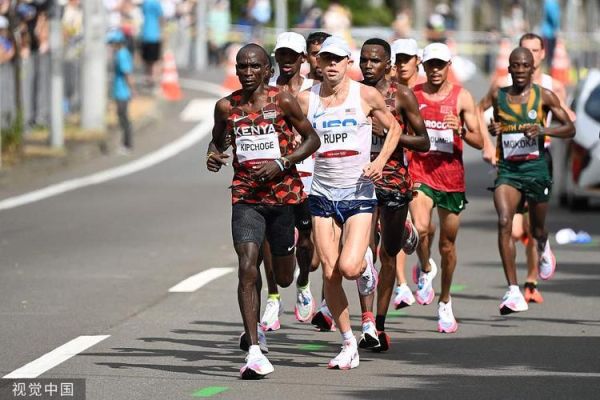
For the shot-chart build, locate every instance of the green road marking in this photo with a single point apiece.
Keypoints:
(396, 313)
(311, 347)
(457, 288)
(210, 391)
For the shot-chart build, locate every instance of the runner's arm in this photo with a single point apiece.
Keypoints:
(468, 111)
(552, 103)
(215, 158)
(489, 149)
(407, 105)
(559, 90)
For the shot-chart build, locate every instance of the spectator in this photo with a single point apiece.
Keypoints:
(550, 27)
(131, 20)
(72, 24)
(219, 23)
(260, 14)
(122, 87)
(7, 48)
(151, 37)
(337, 20)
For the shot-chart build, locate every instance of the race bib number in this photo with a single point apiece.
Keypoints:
(306, 167)
(337, 143)
(442, 140)
(518, 147)
(256, 149)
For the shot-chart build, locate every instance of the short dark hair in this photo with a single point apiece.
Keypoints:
(380, 42)
(531, 36)
(316, 38)
(260, 49)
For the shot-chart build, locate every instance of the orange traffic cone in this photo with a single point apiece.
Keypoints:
(231, 81)
(170, 80)
(452, 78)
(502, 59)
(561, 63)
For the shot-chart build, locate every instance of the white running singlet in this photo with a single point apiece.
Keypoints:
(345, 133)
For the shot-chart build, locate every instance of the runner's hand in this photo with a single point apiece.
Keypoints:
(452, 122)
(214, 161)
(377, 129)
(266, 171)
(494, 128)
(373, 171)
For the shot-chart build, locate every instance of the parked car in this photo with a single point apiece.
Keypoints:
(577, 179)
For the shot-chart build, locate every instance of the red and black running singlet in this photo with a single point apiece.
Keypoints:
(395, 172)
(258, 138)
(441, 167)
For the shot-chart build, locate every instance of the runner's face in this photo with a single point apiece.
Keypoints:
(313, 51)
(374, 63)
(333, 67)
(521, 68)
(406, 66)
(436, 71)
(251, 69)
(535, 47)
(289, 62)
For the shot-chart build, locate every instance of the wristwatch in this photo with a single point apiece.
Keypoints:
(287, 164)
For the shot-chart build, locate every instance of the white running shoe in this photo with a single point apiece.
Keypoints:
(262, 340)
(446, 321)
(403, 297)
(369, 338)
(347, 358)
(257, 366)
(270, 318)
(367, 282)
(547, 263)
(425, 292)
(305, 304)
(513, 301)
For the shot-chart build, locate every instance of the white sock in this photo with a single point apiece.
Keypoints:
(403, 285)
(513, 288)
(254, 350)
(348, 335)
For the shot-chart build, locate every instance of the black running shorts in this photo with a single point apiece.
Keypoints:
(254, 222)
(302, 216)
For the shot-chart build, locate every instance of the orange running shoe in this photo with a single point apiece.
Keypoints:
(532, 294)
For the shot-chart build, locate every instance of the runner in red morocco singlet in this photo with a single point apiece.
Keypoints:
(259, 121)
(439, 174)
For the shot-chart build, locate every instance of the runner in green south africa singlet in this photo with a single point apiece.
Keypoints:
(521, 161)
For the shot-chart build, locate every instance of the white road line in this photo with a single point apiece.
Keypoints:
(149, 160)
(203, 86)
(55, 357)
(195, 282)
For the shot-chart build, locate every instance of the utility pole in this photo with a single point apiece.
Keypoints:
(201, 36)
(93, 77)
(281, 17)
(56, 78)
(420, 16)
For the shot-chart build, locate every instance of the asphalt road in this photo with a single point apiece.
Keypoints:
(100, 261)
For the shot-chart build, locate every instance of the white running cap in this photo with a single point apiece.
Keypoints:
(405, 46)
(336, 45)
(437, 51)
(291, 40)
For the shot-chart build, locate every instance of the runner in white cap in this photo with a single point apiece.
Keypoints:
(342, 197)
(290, 54)
(439, 174)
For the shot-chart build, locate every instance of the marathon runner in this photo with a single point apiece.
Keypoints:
(439, 174)
(259, 119)
(520, 230)
(394, 190)
(342, 198)
(520, 112)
